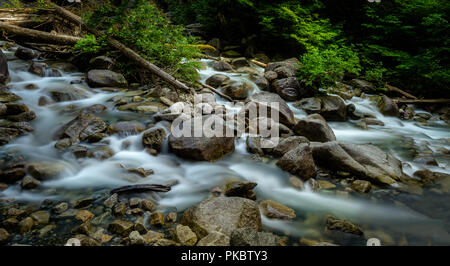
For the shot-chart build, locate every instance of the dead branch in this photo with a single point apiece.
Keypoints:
(217, 91)
(39, 36)
(395, 89)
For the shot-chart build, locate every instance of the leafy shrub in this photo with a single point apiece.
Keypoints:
(142, 27)
(322, 67)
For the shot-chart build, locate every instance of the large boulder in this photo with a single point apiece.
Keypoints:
(299, 161)
(4, 72)
(217, 80)
(105, 78)
(221, 66)
(25, 53)
(388, 107)
(126, 128)
(251, 237)
(315, 128)
(202, 148)
(287, 144)
(222, 214)
(283, 69)
(82, 128)
(154, 138)
(364, 161)
(237, 90)
(67, 93)
(264, 99)
(330, 107)
(291, 88)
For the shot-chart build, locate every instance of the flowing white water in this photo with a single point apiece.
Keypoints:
(194, 180)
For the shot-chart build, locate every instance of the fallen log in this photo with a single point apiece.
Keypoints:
(141, 188)
(36, 35)
(427, 101)
(260, 64)
(129, 53)
(217, 91)
(404, 93)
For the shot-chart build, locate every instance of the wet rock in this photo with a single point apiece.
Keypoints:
(214, 239)
(239, 62)
(11, 224)
(29, 183)
(136, 239)
(25, 225)
(361, 186)
(67, 93)
(43, 70)
(287, 144)
(314, 128)
(4, 236)
(120, 209)
(157, 218)
(284, 69)
(185, 236)
(274, 210)
(296, 182)
(101, 62)
(330, 107)
(4, 72)
(5, 95)
(84, 216)
(237, 90)
(45, 171)
(427, 160)
(290, 88)
(82, 128)
(12, 175)
(8, 134)
(264, 99)
(325, 185)
(23, 117)
(251, 237)
(202, 148)
(365, 161)
(262, 83)
(152, 236)
(45, 100)
(126, 128)
(105, 78)
(84, 228)
(111, 201)
(221, 66)
(289, 94)
(223, 214)
(61, 207)
(120, 227)
(270, 76)
(217, 80)
(154, 138)
(299, 161)
(41, 217)
(240, 189)
(63, 143)
(82, 203)
(363, 85)
(336, 224)
(147, 205)
(171, 217)
(373, 121)
(388, 107)
(25, 53)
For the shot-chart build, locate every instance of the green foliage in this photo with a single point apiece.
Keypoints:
(321, 68)
(142, 27)
(11, 4)
(89, 44)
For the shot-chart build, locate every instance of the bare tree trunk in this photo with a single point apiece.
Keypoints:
(39, 36)
(430, 101)
(404, 93)
(130, 54)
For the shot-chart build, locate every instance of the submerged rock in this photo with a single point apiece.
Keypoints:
(224, 214)
(336, 224)
(361, 186)
(45, 171)
(274, 210)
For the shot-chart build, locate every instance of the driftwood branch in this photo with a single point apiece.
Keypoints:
(404, 93)
(256, 62)
(141, 188)
(428, 101)
(36, 35)
(217, 91)
(129, 53)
